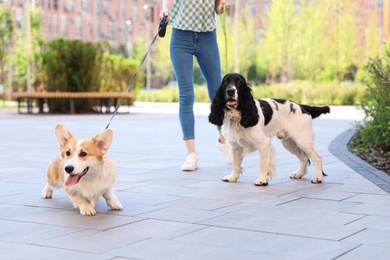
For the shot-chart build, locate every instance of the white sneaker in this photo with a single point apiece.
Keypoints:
(225, 148)
(191, 163)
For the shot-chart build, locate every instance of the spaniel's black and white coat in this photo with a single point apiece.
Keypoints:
(248, 125)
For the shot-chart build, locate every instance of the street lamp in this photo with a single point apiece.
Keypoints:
(147, 8)
(129, 39)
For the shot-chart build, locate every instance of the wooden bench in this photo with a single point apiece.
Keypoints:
(44, 97)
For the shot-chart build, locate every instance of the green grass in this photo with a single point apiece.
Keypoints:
(6, 103)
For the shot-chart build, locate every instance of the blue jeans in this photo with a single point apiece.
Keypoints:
(184, 46)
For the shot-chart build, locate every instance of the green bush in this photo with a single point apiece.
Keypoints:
(116, 73)
(76, 66)
(376, 131)
(71, 66)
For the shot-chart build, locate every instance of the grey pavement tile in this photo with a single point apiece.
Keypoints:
(185, 215)
(156, 248)
(97, 241)
(170, 214)
(319, 204)
(147, 198)
(132, 209)
(287, 246)
(63, 217)
(375, 222)
(370, 198)
(372, 237)
(325, 194)
(365, 252)
(29, 233)
(201, 204)
(17, 251)
(161, 189)
(313, 226)
(370, 209)
(364, 187)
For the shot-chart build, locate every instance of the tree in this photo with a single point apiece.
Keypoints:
(342, 31)
(308, 47)
(278, 38)
(160, 59)
(6, 31)
(19, 59)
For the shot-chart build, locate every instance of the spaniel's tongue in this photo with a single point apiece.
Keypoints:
(231, 102)
(72, 180)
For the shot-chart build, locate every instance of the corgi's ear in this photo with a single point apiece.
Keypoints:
(103, 140)
(63, 135)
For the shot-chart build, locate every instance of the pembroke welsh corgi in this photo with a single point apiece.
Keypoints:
(83, 170)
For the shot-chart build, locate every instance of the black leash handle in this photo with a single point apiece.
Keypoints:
(163, 27)
(161, 32)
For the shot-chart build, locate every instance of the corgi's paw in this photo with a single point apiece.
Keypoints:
(87, 211)
(47, 193)
(115, 205)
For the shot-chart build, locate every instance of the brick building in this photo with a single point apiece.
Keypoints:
(117, 21)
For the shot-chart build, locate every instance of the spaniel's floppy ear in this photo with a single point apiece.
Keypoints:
(217, 107)
(247, 106)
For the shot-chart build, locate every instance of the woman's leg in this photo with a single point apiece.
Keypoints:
(181, 49)
(207, 54)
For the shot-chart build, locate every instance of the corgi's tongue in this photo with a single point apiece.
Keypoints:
(72, 180)
(75, 178)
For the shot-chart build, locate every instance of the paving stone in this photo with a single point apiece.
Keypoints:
(170, 214)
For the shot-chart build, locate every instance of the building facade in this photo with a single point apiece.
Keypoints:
(117, 21)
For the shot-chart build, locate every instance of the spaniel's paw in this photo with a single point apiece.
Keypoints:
(260, 182)
(229, 178)
(296, 175)
(316, 180)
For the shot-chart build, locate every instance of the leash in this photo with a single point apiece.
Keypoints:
(160, 33)
(222, 18)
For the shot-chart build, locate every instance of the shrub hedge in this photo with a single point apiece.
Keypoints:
(375, 133)
(300, 92)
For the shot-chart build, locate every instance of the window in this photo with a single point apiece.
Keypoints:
(135, 10)
(84, 6)
(55, 4)
(98, 7)
(98, 29)
(111, 30)
(124, 33)
(55, 20)
(78, 26)
(105, 7)
(124, 11)
(64, 26)
(69, 6)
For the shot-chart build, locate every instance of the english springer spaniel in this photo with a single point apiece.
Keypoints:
(248, 125)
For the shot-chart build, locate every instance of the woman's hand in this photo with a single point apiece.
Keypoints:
(219, 6)
(165, 12)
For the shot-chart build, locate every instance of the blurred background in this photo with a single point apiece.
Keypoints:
(269, 41)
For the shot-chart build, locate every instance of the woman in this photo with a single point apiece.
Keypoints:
(193, 35)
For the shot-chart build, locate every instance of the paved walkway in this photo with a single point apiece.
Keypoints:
(170, 214)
